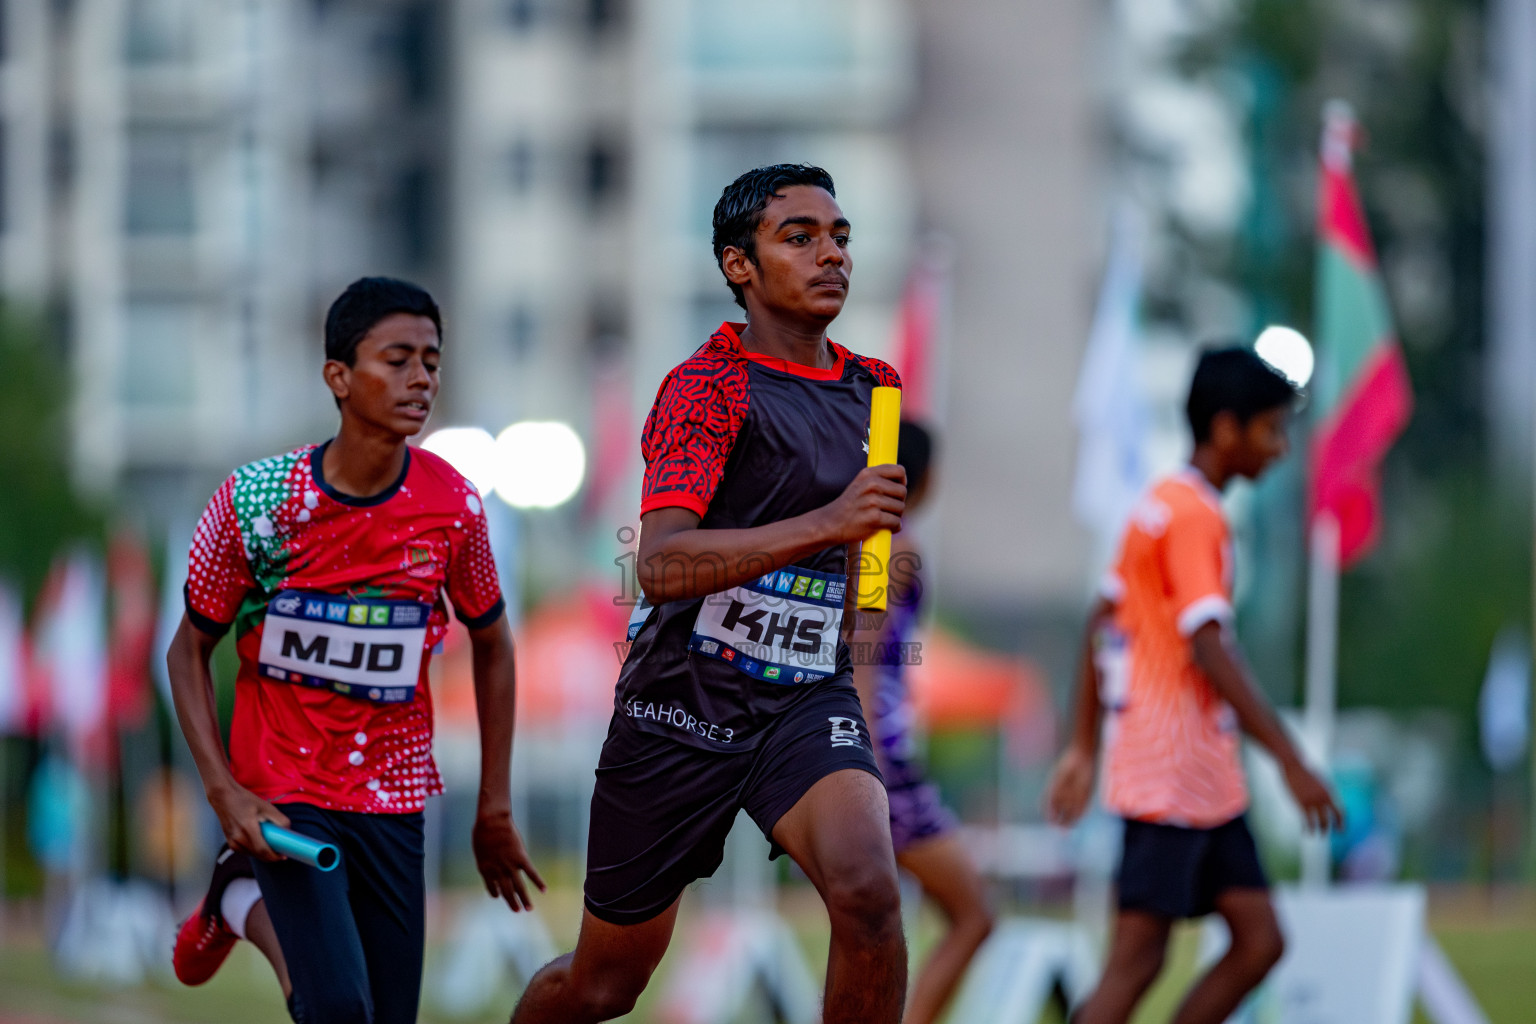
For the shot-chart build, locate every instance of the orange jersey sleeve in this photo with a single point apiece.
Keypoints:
(1197, 566)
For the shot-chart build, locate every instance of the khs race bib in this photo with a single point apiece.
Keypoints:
(366, 648)
(782, 628)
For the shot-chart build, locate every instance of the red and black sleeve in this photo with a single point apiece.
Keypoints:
(690, 432)
(884, 373)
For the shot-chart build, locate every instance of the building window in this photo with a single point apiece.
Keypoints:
(522, 15)
(415, 210)
(602, 172)
(603, 17)
(61, 156)
(160, 197)
(157, 354)
(522, 331)
(159, 32)
(607, 328)
(520, 167)
(416, 47)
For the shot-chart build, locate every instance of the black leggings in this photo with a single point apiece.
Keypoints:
(352, 937)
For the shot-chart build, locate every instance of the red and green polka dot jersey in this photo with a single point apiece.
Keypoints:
(276, 525)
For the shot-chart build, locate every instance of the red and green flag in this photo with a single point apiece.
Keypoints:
(1362, 397)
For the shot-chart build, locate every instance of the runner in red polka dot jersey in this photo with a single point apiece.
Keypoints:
(334, 565)
(277, 526)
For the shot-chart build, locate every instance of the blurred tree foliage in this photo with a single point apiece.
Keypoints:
(39, 510)
(1419, 616)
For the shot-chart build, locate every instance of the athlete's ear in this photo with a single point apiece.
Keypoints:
(338, 377)
(1226, 431)
(736, 264)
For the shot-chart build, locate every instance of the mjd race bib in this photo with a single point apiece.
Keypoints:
(782, 628)
(365, 648)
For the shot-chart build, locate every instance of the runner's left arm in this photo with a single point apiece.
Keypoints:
(499, 851)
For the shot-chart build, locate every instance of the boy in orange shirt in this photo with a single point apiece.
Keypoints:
(1160, 655)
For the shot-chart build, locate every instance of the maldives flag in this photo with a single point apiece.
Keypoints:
(1361, 397)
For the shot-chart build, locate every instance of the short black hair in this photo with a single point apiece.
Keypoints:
(367, 301)
(914, 453)
(1233, 379)
(741, 206)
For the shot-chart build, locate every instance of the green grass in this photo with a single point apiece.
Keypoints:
(1498, 963)
(1495, 956)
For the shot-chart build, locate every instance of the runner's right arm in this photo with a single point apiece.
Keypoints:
(679, 562)
(1070, 789)
(240, 811)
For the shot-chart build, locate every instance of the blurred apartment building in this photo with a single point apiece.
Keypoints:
(187, 183)
(594, 138)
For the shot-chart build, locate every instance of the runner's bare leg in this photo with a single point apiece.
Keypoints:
(1257, 945)
(1135, 960)
(840, 834)
(258, 929)
(948, 876)
(603, 977)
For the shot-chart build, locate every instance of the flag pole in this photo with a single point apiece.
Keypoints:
(1322, 666)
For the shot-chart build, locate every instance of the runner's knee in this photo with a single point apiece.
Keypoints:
(977, 922)
(1144, 967)
(866, 897)
(1260, 947)
(612, 996)
(1136, 961)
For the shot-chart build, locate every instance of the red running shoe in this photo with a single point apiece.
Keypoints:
(202, 944)
(204, 940)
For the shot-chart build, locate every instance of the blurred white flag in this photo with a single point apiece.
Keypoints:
(71, 644)
(1504, 706)
(178, 543)
(1108, 406)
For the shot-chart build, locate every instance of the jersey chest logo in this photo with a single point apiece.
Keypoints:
(420, 559)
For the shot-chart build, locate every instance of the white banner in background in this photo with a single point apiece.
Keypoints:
(1352, 956)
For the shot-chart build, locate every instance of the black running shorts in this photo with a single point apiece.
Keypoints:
(352, 937)
(661, 810)
(1178, 872)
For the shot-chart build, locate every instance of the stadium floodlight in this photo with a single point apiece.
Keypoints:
(1287, 350)
(539, 464)
(470, 450)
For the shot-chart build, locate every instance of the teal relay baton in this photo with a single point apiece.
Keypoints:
(300, 847)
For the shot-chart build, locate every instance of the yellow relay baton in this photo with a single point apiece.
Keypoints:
(875, 559)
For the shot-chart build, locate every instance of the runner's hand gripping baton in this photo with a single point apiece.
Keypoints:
(875, 563)
(300, 848)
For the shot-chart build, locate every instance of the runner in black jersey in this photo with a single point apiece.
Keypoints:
(737, 693)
